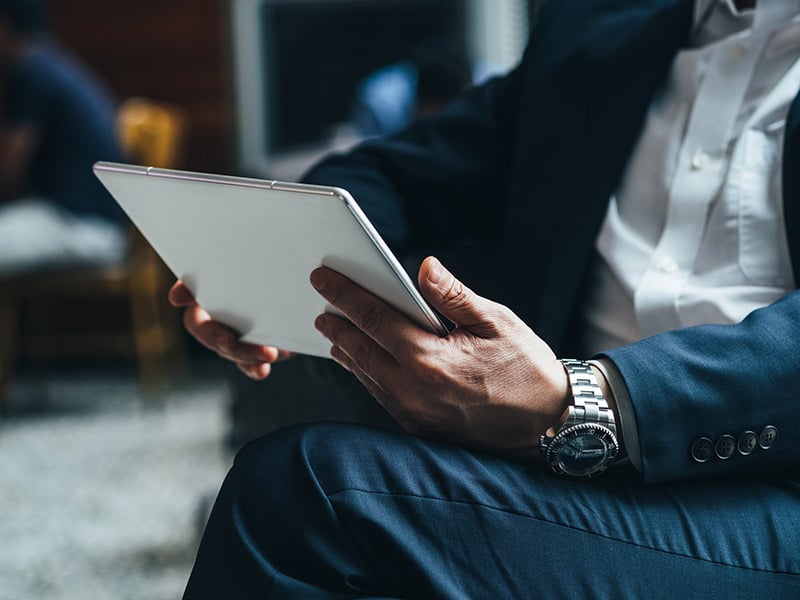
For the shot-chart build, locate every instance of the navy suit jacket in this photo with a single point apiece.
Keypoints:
(528, 162)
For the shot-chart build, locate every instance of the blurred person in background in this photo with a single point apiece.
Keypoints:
(56, 120)
(387, 100)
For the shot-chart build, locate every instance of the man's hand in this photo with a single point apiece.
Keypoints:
(491, 383)
(253, 360)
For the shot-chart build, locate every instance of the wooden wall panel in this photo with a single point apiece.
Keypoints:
(175, 51)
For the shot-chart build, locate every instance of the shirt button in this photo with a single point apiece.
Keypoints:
(725, 446)
(768, 436)
(747, 442)
(699, 161)
(667, 264)
(702, 449)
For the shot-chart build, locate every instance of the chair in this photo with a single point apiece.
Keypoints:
(153, 134)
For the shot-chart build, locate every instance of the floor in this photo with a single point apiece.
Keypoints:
(100, 489)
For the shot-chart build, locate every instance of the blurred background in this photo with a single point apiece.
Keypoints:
(116, 428)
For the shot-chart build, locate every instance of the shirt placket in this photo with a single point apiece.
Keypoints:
(701, 167)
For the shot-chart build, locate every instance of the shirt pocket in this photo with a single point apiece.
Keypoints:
(755, 200)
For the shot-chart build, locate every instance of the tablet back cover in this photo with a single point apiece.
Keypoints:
(246, 248)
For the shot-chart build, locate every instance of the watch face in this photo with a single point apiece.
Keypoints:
(583, 450)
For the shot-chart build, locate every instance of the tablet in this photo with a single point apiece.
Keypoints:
(246, 247)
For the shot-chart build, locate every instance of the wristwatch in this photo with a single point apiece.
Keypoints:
(586, 444)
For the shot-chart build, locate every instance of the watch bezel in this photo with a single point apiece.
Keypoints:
(579, 430)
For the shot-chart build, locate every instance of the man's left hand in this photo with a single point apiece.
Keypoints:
(492, 383)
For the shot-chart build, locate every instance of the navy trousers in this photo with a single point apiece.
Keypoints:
(347, 511)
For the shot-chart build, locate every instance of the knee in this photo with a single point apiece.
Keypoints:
(273, 460)
(311, 459)
(281, 482)
(287, 446)
(298, 455)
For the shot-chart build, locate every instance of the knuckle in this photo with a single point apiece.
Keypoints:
(371, 317)
(421, 367)
(504, 314)
(499, 320)
(455, 294)
(419, 419)
(432, 364)
(418, 427)
(206, 333)
(410, 426)
(370, 386)
(189, 321)
(362, 356)
(332, 333)
(222, 342)
(407, 422)
(333, 295)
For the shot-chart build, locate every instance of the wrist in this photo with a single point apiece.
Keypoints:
(608, 394)
(564, 399)
(585, 445)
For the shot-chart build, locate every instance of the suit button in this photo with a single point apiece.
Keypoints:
(747, 442)
(702, 449)
(768, 436)
(725, 446)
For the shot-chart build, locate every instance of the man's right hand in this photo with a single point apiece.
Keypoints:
(253, 360)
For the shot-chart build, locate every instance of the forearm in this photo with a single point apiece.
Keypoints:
(432, 181)
(711, 381)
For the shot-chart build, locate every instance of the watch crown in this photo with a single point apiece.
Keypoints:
(544, 442)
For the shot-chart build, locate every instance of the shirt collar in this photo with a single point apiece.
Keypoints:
(701, 6)
(717, 19)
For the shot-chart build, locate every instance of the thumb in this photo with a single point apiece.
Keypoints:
(454, 300)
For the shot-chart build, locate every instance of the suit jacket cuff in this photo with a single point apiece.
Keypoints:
(627, 417)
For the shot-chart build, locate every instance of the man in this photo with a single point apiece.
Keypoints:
(639, 170)
(55, 122)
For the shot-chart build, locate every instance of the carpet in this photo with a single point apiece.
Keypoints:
(101, 489)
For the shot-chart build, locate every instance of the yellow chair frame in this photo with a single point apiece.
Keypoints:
(152, 134)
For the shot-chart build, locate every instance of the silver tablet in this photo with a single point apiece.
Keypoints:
(246, 247)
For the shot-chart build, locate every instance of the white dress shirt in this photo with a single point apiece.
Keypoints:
(695, 233)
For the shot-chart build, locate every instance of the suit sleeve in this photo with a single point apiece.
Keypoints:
(444, 178)
(711, 381)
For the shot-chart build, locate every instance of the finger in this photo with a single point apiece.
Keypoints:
(283, 355)
(179, 295)
(223, 340)
(456, 301)
(373, 387)
(257, 371)
(341, 358)
(363, 352)
(388, 327)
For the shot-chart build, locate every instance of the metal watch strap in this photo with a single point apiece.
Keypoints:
(589, 405)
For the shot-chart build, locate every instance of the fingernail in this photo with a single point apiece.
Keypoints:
(318, 278)
(319, 323)
(436, 272)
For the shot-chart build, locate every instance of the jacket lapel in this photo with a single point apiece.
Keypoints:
(601, 65)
